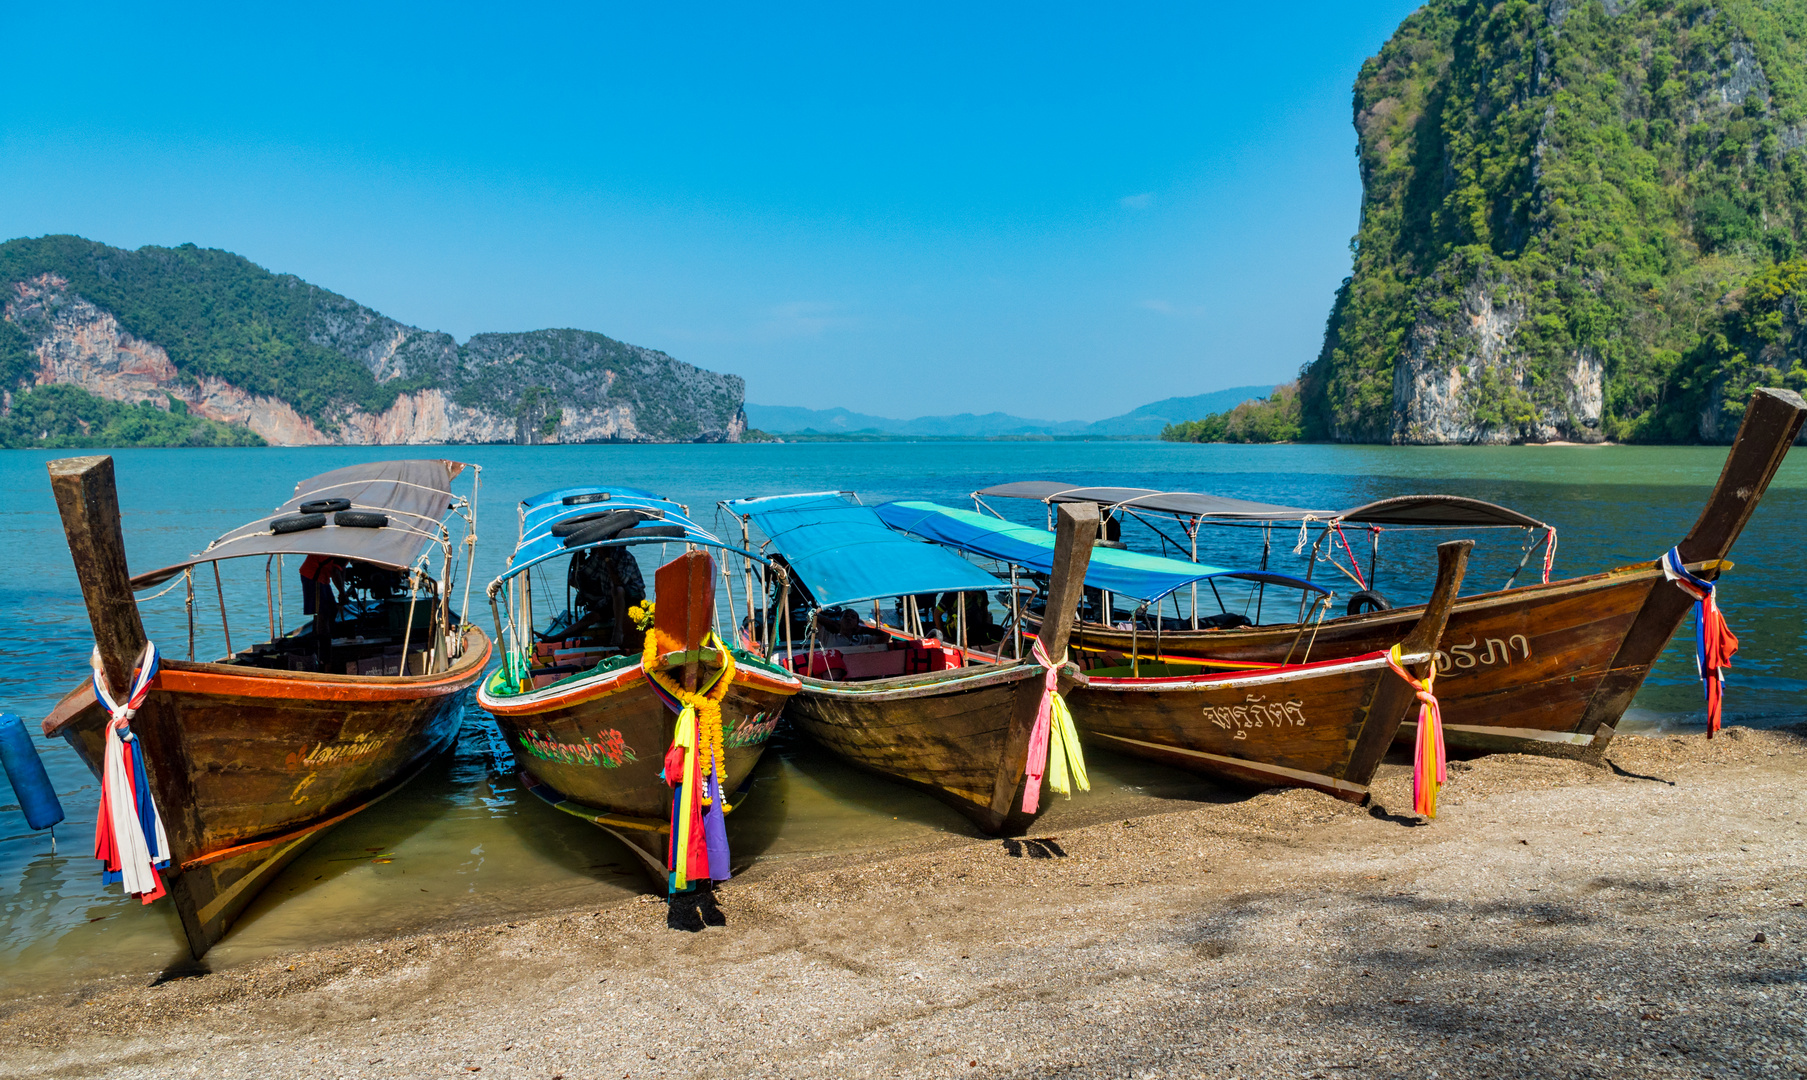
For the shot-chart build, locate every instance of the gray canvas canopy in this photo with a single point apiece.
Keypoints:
(414, 495)
(1421, 511)
(1182, 503)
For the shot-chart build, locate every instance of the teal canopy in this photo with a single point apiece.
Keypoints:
(1126, 573)
(767, 503)
(845, 554)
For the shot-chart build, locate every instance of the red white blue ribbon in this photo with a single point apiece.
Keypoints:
(1714, 642)
(128, 833)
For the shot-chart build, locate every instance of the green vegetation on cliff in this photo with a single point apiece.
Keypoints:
(60, 417)
(1572, 219)
(216, 314)
(1274, 419)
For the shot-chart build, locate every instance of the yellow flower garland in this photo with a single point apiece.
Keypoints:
(706, 703)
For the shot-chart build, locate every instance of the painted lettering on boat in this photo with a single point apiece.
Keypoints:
(1256, 712)
(1497, 652)
(608, 749)
(340, 753)
(751, 731)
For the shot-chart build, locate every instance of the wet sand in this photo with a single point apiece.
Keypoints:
(1559, 919)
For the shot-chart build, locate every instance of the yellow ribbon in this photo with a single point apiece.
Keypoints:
(1064, 752)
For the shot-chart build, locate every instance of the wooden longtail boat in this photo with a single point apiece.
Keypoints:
(1323, 725)
(1545, 668)
(251, 762)
(589, 729)
(960, 732)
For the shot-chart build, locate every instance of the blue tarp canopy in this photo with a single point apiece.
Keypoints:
(541, 512)
(845, 554)
(1125, 573)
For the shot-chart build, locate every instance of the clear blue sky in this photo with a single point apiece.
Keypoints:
(1059, 212)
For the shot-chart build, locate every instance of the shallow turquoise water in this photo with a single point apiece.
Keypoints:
(460, 844)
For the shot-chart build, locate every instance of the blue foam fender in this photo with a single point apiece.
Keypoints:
(26, 771)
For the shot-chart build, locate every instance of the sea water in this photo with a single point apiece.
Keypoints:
(463, 844)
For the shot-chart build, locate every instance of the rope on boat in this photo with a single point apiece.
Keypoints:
(1304, 533)
(698, 849)
(1355, 570)
(1430, 769)
(128, 832)
(1714, 642)
(1053, 741)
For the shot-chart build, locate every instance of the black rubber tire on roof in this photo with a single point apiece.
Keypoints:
(1368, 600)
(324, 506)
(360, 519)
(603, 529)
(651, 530)
(297, 523)
(576, 524)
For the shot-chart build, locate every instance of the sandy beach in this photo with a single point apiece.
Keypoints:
(1639, 917)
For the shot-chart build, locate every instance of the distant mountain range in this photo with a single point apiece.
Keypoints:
(1145, 422)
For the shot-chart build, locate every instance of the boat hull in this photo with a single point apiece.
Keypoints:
(961, 735)
(1514, 669)
(1324, 725)
(251, 766)
(595, 747)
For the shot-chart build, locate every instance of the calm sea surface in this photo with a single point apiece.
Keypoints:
(462, 845)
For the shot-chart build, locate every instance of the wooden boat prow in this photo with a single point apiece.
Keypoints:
(248, 766)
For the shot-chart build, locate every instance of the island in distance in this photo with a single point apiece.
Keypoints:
(100, 346)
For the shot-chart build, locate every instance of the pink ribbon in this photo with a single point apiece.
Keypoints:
(1037, 765)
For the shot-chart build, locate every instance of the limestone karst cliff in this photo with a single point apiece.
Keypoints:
(223, 340)
(1581, 220)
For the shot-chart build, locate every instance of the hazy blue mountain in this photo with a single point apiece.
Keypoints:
(1147, 420)
(1151, 418)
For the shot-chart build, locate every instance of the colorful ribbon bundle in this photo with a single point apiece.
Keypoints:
(1053, 741)
(1714, 642)
(1430, 769)
(128, 832)
(693, 766)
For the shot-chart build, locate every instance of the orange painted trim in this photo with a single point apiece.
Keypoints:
(181, 676)
(189, 677)
(258, 845)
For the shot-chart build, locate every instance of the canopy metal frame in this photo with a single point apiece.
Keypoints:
(447, 645)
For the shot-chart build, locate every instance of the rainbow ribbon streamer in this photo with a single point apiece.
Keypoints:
(1714, 642)
(1430, 766)
(698, 848)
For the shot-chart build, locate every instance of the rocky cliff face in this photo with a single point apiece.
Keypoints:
(603, 389)
(1464, 380)
(1563, 205)
(317, 368)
